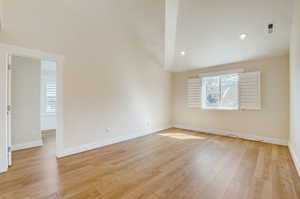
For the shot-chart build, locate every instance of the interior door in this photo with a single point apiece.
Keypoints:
(9, 71)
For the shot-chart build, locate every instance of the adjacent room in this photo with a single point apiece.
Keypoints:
(134, 99)
(32, 102)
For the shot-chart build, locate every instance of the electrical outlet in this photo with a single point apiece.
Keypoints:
(107, 130)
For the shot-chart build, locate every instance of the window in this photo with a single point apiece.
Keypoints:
(220, 92)
(225, 90)
(51, 97)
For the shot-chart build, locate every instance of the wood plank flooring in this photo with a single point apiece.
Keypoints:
(172, 164)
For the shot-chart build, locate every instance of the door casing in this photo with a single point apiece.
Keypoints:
(5, 52)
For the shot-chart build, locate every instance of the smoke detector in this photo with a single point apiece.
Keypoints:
(271, 28)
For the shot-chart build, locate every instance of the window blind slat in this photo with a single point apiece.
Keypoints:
(51, 97)
(250, 96)
(194, 93)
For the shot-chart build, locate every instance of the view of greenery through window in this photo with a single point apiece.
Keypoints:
(221, 92)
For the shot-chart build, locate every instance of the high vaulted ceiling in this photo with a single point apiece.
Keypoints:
(208, 31)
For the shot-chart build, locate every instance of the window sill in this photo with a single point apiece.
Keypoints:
(48, 114)
(221, 109)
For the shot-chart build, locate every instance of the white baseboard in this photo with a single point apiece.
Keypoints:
(27, 145)
(234, 134)
(2, 170)
(295, 158)
(88, 147)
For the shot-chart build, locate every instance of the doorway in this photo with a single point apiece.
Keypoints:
(32, 104)
(6, 109)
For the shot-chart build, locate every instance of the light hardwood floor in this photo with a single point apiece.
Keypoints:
(167, 165)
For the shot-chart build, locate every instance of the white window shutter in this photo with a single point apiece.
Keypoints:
(194, 93)
(51, 97)
(250, 91)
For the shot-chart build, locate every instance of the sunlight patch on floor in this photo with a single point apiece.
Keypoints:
(182, 136)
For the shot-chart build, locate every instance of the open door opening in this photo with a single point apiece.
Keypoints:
(32, 105)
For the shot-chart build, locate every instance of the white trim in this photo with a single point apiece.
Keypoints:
(222, 72)
(259, 96)
(234, 134)
(48, 114)
(27, 145)
(3, 115)
(6, 50)
(88, 147)
(2, 169)
(220, 108)
(25, 52)
(294, 158)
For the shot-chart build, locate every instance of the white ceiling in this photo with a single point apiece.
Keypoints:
(208, 31)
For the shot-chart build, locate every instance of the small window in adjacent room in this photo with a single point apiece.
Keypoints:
(51, 97)
(220, 92)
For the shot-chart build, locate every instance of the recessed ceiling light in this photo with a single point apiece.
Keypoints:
(243, 36)
(182, 53)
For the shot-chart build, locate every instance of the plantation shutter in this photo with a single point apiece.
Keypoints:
(250, 91)
(194, 93)
(51, 97)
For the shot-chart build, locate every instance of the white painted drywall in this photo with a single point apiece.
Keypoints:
(272, 122)
(48, 73)
(171, 14)
(25, 101)
(113, 72)
(295, 85)
(1, 14)
(209, 31)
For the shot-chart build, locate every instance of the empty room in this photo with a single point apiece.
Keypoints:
(149, 99)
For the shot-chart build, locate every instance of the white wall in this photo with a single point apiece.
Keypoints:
(48, 73)
(271, 123)
(1, 13)
(295, 85)
(25, 95)
(113, 74)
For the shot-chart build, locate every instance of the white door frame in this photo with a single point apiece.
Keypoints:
(5, 51)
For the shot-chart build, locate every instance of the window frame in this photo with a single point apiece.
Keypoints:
(203, 93)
